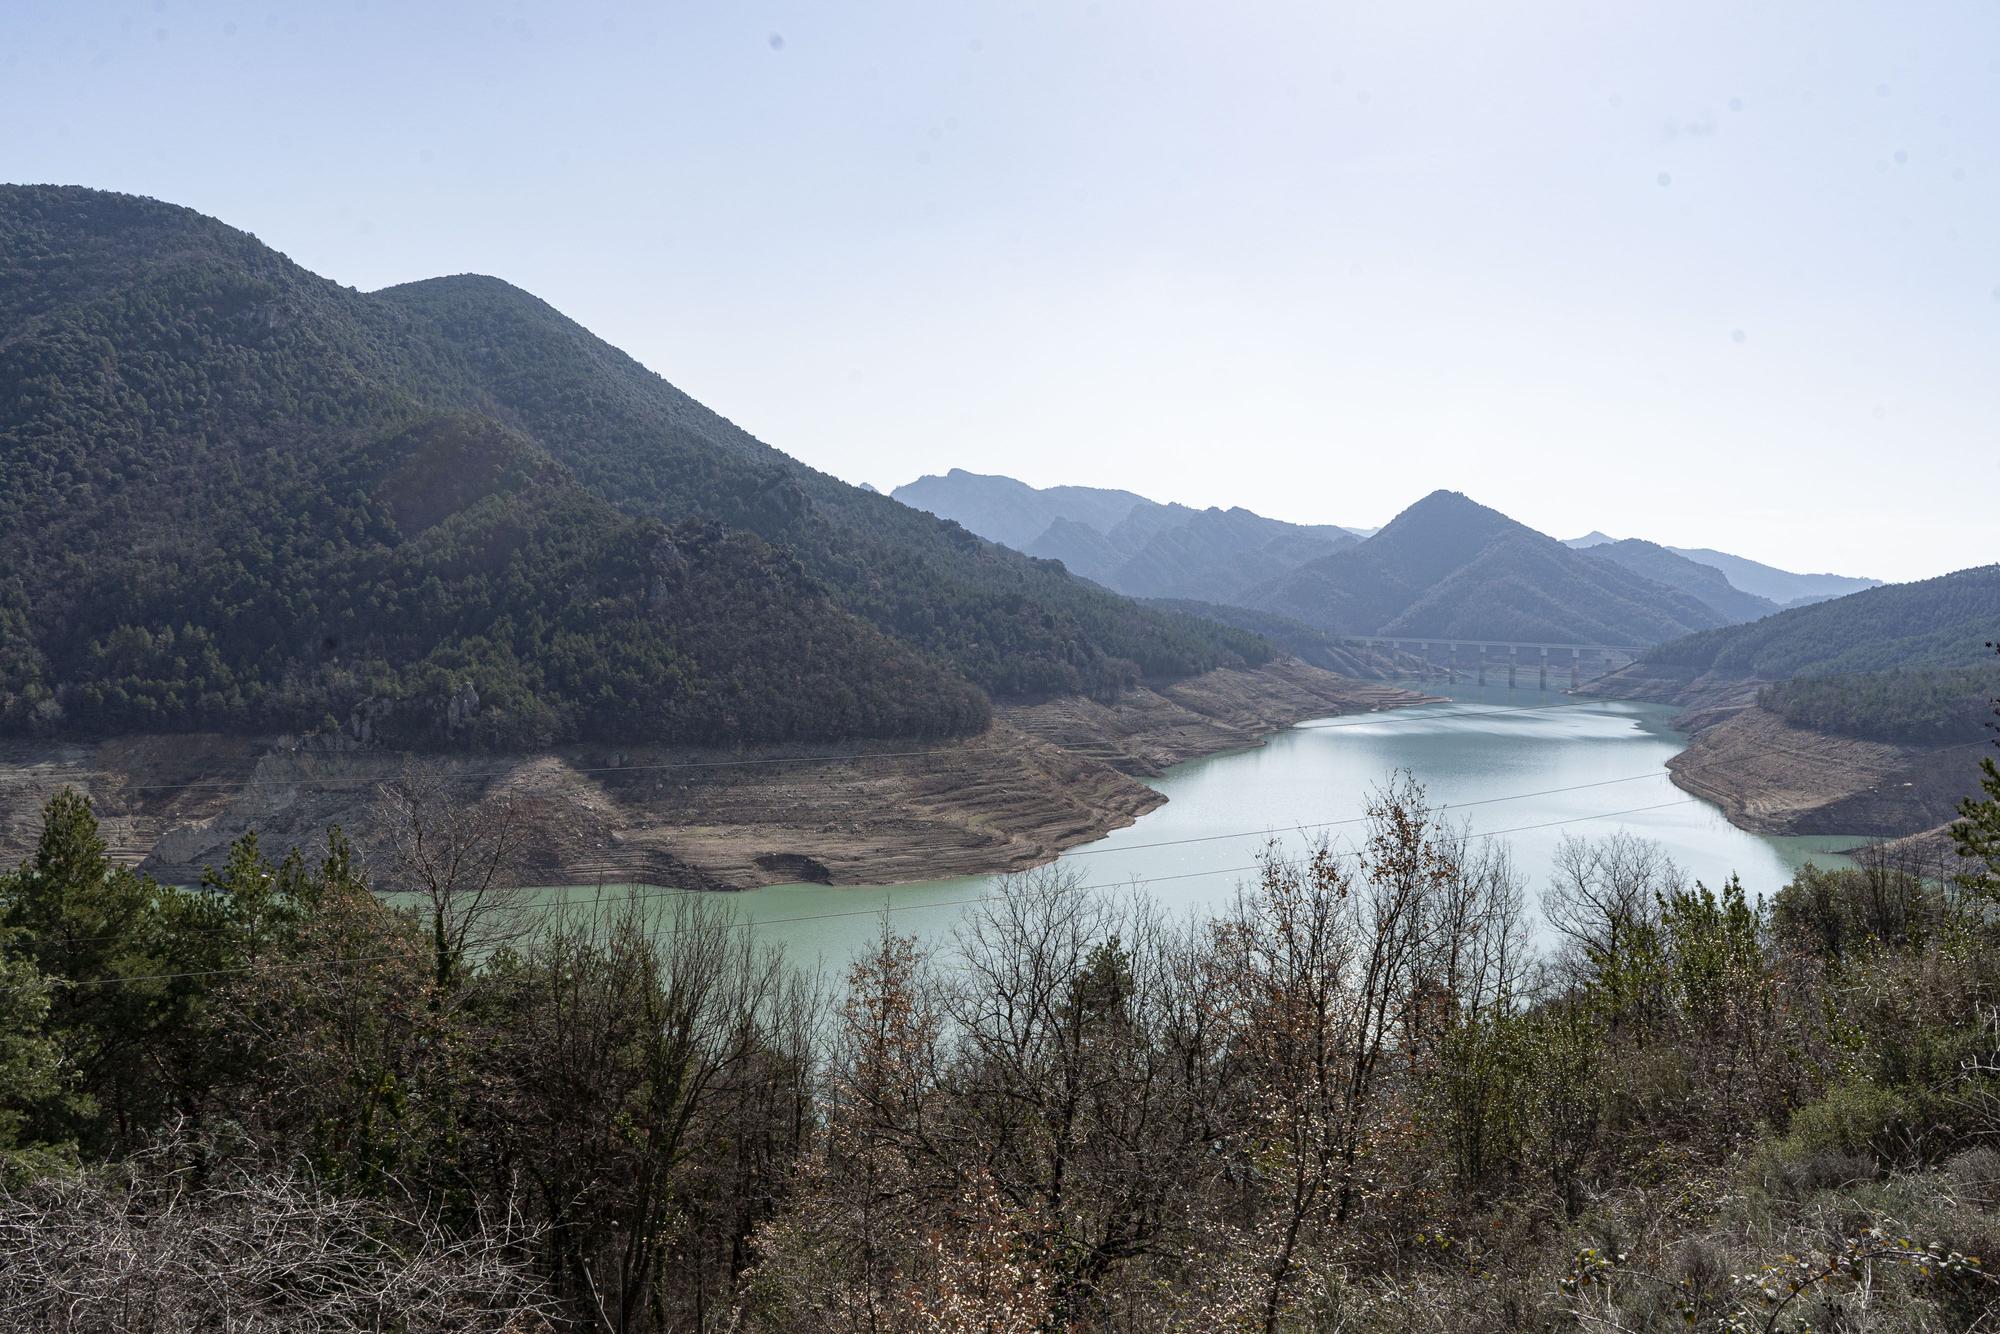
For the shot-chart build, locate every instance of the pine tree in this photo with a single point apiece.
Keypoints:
(1977, 833)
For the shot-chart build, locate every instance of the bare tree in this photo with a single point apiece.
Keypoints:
(454, 847)
(1604, 901)
(634, 1040)
(153, 1248)
(1086, 1067)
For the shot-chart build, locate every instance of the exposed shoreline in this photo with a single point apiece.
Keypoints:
(1770, 776)
(1044, 778)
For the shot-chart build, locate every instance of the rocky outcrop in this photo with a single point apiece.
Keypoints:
(1043, 778)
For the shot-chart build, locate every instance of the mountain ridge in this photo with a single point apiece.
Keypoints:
(1704, 583)
(1449, 566)
(194, 431)
(1782, 588)
(1128, 543)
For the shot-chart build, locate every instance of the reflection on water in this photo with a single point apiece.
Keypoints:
(1514, 764)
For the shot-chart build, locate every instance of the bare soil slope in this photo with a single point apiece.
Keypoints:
(1772, 777)
(1043, 778)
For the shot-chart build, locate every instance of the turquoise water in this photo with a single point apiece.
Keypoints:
(1519, 765)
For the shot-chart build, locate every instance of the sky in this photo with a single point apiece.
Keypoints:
(1714, 274)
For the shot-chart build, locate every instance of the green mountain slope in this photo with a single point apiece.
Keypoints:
(221, 504)
(1925, 706)
(1704, 583)
(1448, 566)
(1943, 622)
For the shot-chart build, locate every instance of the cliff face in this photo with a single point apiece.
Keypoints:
(1043, 778)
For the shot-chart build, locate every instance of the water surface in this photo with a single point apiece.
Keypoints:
(1522, 765)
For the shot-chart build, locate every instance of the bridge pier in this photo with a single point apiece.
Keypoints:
(1446, 657)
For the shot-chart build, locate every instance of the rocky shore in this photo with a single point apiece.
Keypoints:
(1044, 777)
(1772, 777)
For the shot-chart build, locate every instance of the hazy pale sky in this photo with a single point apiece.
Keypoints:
(1716, 274)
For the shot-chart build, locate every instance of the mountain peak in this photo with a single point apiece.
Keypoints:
(1449, 565)
(1449, 521)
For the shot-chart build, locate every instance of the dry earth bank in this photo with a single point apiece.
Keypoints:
(1043, 778)
(1771, 777)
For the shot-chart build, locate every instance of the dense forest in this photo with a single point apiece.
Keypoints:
(1920, 706)
(1448, 566)
(234, 494)
(1359, 1099)
(450, 586)
(1941, 622)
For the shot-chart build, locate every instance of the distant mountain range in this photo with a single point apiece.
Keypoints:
(1446, 566)
(1704, 583)
(1780, 587)
(236, 496)
(1124, 541)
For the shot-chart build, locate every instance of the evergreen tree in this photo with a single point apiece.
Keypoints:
(90, 929)
(1977, 833)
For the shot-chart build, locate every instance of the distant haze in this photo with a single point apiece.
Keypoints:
(1717, 275)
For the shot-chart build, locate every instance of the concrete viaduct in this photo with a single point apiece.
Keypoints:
(1475, 657)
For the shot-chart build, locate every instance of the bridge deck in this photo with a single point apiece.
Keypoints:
(1432, 641)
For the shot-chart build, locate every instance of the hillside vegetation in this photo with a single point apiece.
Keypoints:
(236, 495)
(1360, 1098)
(1943, 622)
(1919, 706)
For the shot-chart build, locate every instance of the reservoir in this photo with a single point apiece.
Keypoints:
(1524, 766)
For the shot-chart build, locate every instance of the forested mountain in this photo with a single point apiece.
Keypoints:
(1938, 706)
(1126, 542)
(1448, 566)
(1943, 622)
(1704, 583)
(237, 495)
(1780, 587)
(1299, 640)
